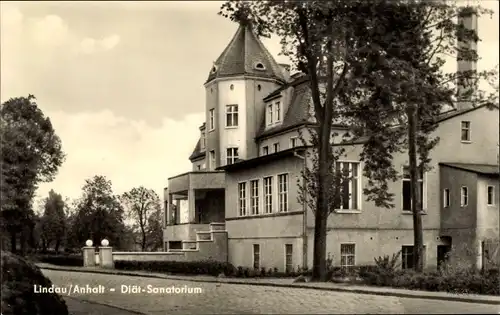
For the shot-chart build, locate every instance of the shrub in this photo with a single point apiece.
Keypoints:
(18, 297)
(207, 267)
(73, 260)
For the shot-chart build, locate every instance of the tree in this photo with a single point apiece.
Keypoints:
(431, 31)
(370, 64)
(53, 221)
(98, 214)
(142, 207)
(31, 153)
(331, 42)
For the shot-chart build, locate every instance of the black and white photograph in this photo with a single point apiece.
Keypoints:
(250, 157)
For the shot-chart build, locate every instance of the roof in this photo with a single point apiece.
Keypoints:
(455, 112)
(197, 152)
(246, 164)
(483, 169)
(244, 51)
(297, 113)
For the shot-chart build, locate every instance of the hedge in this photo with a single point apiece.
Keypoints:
(18, 297)
(466, 282)
(208, 267)
(60, 260)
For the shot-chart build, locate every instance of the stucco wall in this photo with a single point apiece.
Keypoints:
(487, 215)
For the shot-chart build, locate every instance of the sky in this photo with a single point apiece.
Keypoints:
(122, 82)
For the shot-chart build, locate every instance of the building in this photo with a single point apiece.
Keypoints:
(248, 161)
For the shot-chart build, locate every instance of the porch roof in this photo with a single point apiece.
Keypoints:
(483, 169)
(196, 180)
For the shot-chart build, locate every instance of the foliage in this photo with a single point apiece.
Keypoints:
(464, 282)
(143, 208)
(375, 66)
(98, 214)
(73, 260)
(31, 153)
(206, 267)
(18, 297)
(53, 226)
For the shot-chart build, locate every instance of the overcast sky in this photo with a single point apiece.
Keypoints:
(122, 82)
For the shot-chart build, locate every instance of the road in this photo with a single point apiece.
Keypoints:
(241, 299)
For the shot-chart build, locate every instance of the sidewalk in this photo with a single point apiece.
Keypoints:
(287, 282)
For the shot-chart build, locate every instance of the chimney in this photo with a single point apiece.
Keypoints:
(285, 68)
(466, 88)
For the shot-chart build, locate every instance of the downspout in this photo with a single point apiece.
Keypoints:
(304, 209)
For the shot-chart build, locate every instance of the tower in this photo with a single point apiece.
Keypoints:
(239, 79)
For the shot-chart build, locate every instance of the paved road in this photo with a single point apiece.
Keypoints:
(248, 299)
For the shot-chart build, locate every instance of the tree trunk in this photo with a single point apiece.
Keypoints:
(22, 242)
(58, 244)
(319, 271)
(143, 241)
(415, 192)
(13, 242)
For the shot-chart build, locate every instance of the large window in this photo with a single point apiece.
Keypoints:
(406, 189)
(211, 117)
(231, 115)
(347, 255)
(349, 185)
(254, 197)
(283, 193)
(464, 196)
(232, 155)
(288, 258)
(268, 194)
(270, 114)
(242, 198)
(491, 195)
(407, 257)
(256, 256)
(465, 135)
(274, 113)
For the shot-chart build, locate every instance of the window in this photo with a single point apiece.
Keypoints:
(270, 114)
(288, 258)
(265, 150)
(259, 66)
(283, 192)
(232, 155)
(211, 116)
(465, 130)
(491, 195)
(407, 257)
(254, 197)
(259, 87)
(347, 255)
(231, 87)
(349, 186)
(198, 167)
(242, 198)
(446, 198)
(256, 256)
(406, 189)
(203, 140)
(293, 142)
(268, 194)
(276, 147)
(212, 160)
(231, 115)
(464, 196)
(277, 110)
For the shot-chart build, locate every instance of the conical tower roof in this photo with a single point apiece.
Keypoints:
(246, 54)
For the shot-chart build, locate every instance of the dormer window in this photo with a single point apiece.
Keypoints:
(214, 69)
(274, 113)
(259, 66)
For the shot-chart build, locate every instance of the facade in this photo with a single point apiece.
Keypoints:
(248, 162)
